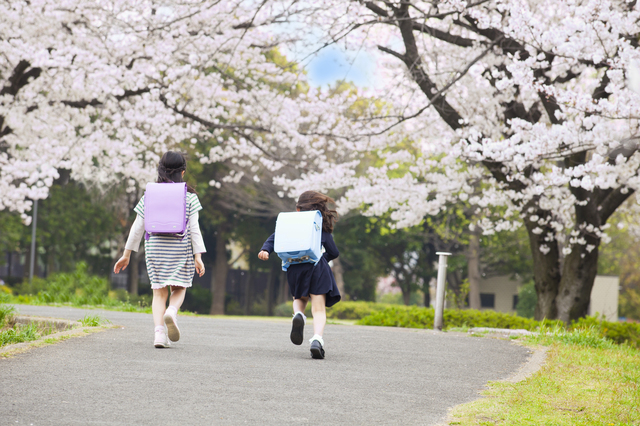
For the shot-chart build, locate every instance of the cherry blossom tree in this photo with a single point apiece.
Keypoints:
(103, 88)
(518, 107)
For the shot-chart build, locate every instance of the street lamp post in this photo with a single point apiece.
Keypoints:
(442, 275)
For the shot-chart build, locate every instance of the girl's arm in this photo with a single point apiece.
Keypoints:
(197, 243)
(267, 248)
(133, 244)
(196, 235)
(135, 235)
(331, 250)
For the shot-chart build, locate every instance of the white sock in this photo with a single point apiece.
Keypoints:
(172, 310)
(318, 338)
(159, 328)
(303, 316)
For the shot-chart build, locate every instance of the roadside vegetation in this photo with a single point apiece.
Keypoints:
(77, 288)
(586, 379)
(12, 332)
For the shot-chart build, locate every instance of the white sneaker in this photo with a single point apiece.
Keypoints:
(172, 326)
(161, 340)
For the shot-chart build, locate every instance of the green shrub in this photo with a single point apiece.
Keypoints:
(19, 334)
(417, 317)
(77, 288)
(286, 310)
(6, 315)
(93, 321)
(5, 293)
(342, 310)
(617, 332)
(587, 336)
(198, 300)
(401, 316)
(354, 310)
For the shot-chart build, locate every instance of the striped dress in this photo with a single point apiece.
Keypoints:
(170, 259)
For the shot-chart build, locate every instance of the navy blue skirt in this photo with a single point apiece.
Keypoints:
(305, 279)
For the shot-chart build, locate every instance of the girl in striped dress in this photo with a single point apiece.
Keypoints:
(171, 261)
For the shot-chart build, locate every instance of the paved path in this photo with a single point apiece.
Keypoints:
(244, 371)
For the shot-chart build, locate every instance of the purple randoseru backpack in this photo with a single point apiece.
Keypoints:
(165, 209)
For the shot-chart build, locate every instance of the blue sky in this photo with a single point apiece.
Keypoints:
(333, 63)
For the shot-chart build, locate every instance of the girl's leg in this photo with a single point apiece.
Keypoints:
(177, 297)
(319, 312)
(297, 324)
(158, 305)
(300, 305)
(175, 301)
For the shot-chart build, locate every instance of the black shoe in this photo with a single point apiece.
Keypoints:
(297, 329)
(316, 350)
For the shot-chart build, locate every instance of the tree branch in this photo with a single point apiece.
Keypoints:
(392, 52)
(414, 63)
(444, 36)
(207, 123)
(612, 201)
(20, 77)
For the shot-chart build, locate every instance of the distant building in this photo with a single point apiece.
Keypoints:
(500, 294)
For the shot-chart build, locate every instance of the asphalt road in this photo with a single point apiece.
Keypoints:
(246, 371)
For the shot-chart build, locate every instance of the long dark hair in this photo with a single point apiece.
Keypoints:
(312, 200)
(170, 168)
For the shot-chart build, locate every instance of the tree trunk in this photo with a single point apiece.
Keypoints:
(134, 273)
(578, 276)
(546, 267)
(473, 269)
(248, 292)
(406, 294)
(338, 273)
(426, 288)
(581, 265)
(219, 276)
(50, 267)
(284, 293)
(273, 275)
(27, 260)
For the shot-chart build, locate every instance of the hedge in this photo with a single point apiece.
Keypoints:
(418, 317)
(343, 310)
(617, 332)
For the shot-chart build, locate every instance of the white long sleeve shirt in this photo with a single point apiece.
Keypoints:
(137, 232)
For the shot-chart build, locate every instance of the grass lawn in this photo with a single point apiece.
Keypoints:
(584, 381)
(11, 333)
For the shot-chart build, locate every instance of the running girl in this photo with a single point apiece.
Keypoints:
(312, 282)
(171, 261)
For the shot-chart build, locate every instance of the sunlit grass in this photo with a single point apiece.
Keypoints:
(93, 321)
(586, 380)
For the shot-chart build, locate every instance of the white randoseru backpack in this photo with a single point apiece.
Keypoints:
(298, 237)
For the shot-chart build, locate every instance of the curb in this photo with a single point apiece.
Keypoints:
(502, 332)
(66, 329)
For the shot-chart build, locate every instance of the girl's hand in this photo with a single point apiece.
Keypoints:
(121, 264)
(263, 255)
(199, 264)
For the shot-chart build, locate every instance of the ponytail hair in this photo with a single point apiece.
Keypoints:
(312, 200)
(170, 169)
